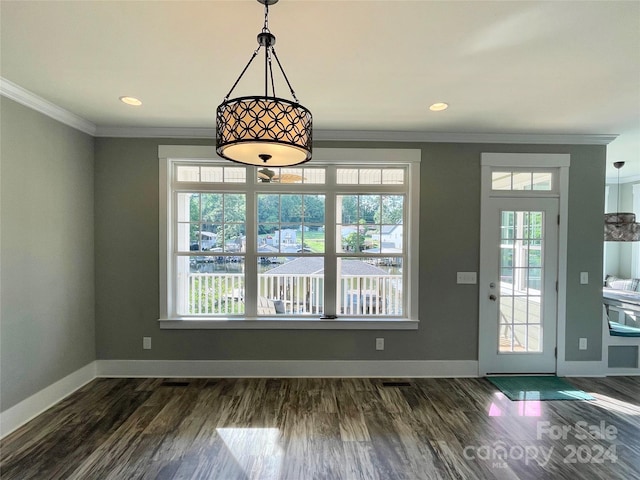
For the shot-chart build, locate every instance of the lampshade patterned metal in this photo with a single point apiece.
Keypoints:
(620, 227)
(264, 130)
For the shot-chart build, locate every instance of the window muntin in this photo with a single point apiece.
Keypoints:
(291, 285)
(370, 286)
(521, 275)
(370, 223)
(370, 176)
(210, 222)
(210, 285)
(393, 183)
(210, 174)
(292, 175)
(291, 223)
(522, 180)
(371, 252)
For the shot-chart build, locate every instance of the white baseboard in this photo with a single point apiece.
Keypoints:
(287, 368)
(21, 413)
(581, 369)
(623, 372)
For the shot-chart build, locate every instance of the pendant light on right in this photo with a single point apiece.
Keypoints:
(620, 227)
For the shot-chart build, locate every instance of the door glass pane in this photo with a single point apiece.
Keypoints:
(533, 338)
(521, 274)
(501, 180)
(522, 181)
(542, 181)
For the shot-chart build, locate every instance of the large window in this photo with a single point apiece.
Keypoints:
(334, 242)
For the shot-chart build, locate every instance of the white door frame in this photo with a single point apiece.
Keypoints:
(508, 161)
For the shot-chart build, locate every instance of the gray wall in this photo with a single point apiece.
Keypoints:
(126, 198)
(47, 285)
(585, 250)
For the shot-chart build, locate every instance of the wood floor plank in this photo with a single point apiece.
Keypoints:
(357, 461)
(353, 427)
(314, 428)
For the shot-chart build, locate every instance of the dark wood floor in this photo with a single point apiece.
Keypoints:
(303, 429)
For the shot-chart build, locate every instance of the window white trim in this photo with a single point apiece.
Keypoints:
(168, 154)
(635, 246)
(526, 160)
(164, 234)
(610, 249)
(289, 324)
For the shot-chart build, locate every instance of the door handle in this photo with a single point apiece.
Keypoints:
(493, 298)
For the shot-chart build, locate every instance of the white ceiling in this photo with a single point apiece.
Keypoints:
(504, 67)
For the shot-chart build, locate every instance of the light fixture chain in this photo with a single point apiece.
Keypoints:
(293, 94)
(618, 200)
(265, 27)
(273, 84)
(266, 71)
(254, 55)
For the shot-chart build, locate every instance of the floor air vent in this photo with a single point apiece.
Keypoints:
(396, 384)
(174, 384)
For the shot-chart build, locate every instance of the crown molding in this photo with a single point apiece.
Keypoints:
(39, 104)
(31, 100)
(446, 137)
(376, 136)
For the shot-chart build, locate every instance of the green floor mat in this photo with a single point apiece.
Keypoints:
(538, 388)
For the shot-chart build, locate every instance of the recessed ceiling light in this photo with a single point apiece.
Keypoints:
(438, 107)
(131, 101)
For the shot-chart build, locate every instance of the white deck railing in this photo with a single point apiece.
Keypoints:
(215, 294)
(223, 293)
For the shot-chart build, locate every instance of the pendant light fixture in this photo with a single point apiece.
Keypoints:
(620, 227)
(264, 130)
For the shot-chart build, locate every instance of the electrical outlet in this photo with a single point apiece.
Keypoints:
(379, 343)
(146, 343)
(582, 344)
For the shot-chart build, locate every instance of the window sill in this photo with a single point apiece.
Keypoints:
(272, 323)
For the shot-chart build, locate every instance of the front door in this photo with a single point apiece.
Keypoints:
(518, 285)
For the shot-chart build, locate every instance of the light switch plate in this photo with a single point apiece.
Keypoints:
(469, 278)
(584, 278)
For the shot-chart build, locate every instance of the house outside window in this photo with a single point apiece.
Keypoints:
(334, 242)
